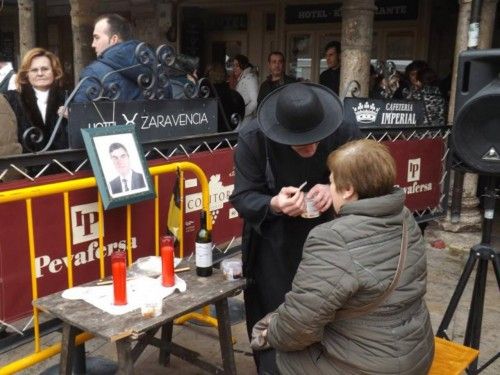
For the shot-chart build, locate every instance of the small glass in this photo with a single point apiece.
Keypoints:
(311, 210)
(151, 306)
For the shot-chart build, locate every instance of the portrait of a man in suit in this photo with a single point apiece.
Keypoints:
(128, 179)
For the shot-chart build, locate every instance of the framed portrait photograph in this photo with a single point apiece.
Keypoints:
(119, 165)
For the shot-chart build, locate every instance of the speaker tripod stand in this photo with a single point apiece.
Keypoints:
(481, 254)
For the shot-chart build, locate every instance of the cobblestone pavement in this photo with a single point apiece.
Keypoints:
(444, 269)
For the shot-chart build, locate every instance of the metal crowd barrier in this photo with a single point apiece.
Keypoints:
(186, 146)
(30, 193)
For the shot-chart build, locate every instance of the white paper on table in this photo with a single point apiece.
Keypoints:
(150, 265)
(102, 296)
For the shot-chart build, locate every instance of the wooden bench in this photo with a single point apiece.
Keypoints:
(451, 358)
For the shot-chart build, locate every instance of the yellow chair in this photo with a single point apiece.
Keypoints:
(451, 358)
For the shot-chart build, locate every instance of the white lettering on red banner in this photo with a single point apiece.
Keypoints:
(45, 263)
(413, 170)
(85, 223)
(413, 175)
(218, 196)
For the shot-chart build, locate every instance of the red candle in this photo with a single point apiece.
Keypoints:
(167, 260)
(119, 271)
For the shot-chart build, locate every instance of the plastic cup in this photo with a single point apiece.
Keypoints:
(311, 211)
(151, 306)
(232, 269)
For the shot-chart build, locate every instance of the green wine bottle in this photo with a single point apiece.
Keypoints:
(203, 248)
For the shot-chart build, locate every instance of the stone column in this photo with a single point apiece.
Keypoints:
(82, 25)
(470, 218)
(460, 46)
(27, 34)
(488, 13)
(357, 37)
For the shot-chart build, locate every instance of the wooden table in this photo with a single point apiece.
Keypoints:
(132, 332)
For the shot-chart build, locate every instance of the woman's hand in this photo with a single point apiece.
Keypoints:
(62, 112)
(321, 196)
(259, 333)
(289, 201)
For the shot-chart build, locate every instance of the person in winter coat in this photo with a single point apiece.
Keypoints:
(427, 90)
(247, 85)
(7, 74)
(230, 102)
(277, 78)
(357, 301)
(115, 53)
(38, 99)
(296, 128)
(9, 144)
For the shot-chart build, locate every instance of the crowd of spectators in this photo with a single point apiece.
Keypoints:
(36, 98)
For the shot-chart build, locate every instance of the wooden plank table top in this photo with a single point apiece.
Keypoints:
(200, 292)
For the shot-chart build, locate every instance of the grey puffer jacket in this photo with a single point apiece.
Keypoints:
(347, 263)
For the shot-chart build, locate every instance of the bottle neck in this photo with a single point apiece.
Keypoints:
(203, 220)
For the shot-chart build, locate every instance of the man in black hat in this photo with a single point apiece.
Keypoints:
(296, 128)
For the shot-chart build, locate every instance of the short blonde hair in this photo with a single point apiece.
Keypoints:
(364, 164)
(22, 75)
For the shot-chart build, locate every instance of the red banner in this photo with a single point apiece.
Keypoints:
(419, 170)
(49, 236)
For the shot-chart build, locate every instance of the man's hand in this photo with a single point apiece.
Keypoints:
(321, 196)
(289, 201)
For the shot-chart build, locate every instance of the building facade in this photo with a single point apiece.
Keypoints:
(215, 30)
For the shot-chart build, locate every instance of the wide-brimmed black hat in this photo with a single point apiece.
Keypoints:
(300, 113)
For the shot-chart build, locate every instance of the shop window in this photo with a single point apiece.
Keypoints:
(299, 56)
(270, 21)
(400, 45)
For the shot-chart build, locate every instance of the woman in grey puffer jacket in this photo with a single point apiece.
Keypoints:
(347, 264)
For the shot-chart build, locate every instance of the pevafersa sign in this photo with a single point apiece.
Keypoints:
(419, 172)
(385, 113)
(51, 261)
(153, 119)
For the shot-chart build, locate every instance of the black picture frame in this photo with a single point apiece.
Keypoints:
(119, 166)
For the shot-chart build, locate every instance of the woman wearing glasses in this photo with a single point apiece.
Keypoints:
(37, 99)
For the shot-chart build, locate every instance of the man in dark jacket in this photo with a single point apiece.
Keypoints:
(331, 77)
(115, 53)
(277, 78)
(297, 126)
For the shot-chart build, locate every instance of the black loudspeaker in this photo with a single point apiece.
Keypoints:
(476, 131)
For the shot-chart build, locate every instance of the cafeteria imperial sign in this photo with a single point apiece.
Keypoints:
(153, 119)
(384, 113)
(387, 10)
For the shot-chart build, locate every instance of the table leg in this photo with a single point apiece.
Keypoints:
(225, 339)
(125, 362)
(67, 348)
(166, 336)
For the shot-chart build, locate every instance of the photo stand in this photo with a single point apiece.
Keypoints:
(481, 254)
